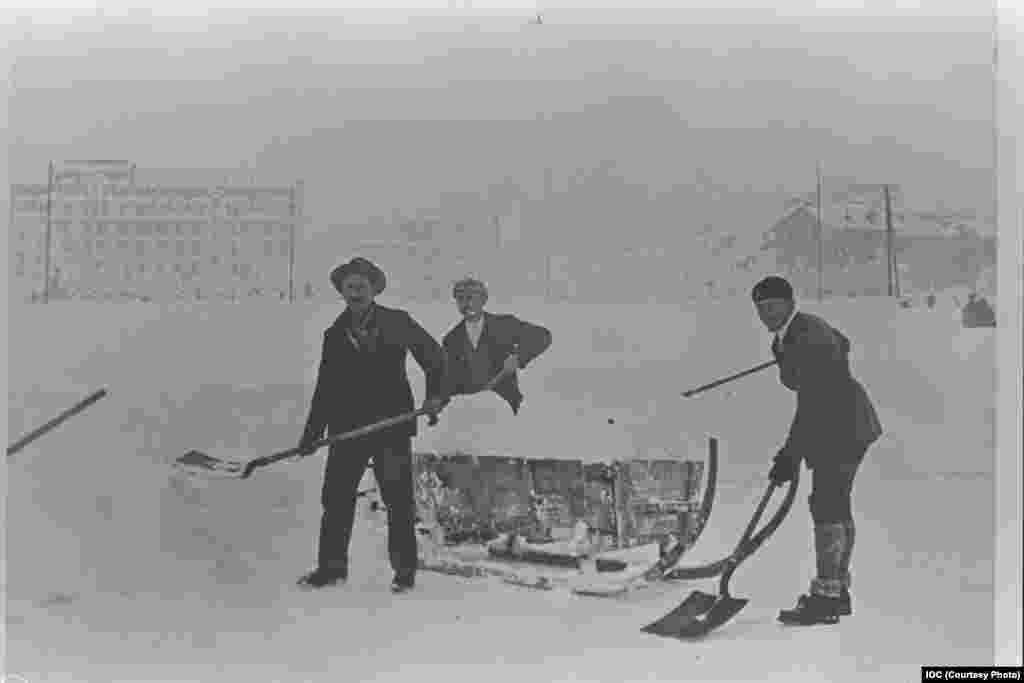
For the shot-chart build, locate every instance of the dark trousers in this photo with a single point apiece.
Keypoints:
(832, 492)
(392, 465)
(834, 529)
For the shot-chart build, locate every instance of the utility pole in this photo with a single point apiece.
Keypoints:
(49, 230)
(291, 245)
(891, 256)
(821, 286)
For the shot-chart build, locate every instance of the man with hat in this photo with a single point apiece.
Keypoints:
(361, 380)
(834, 425)
(486, 350)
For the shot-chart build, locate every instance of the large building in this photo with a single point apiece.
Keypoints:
(115, 237)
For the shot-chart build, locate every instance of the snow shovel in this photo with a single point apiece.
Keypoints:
(197, 462)
(702, 612)
(502, 374)
(730, 378)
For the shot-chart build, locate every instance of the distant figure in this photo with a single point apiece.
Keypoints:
(362, 380)
(485, 344)
(834, 425)
(978, 312)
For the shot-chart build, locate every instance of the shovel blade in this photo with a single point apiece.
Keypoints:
(695, 605)
(703, 614)
(196, 463)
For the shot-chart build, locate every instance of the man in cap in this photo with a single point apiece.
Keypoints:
(361, 380)
(486, 350)
(834, 425)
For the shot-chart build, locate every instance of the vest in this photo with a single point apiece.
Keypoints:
(479, 364)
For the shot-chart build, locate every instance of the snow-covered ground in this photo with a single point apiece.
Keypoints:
(118, 571)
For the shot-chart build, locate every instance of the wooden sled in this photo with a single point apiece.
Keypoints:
(590, 528)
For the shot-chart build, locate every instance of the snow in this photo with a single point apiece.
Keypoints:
(483, 424)
(117, 570)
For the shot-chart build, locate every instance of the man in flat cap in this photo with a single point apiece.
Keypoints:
(361, 380)
(486, 350)
(834, 425)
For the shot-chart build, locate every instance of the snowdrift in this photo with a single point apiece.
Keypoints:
(117, 572)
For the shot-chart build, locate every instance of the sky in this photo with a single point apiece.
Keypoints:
(388, 109)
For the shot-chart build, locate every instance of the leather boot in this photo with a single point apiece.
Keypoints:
(824, 604)
(810, 610)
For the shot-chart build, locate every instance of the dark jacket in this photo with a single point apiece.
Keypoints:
(835, 420)
(357, 387)
(502, 334)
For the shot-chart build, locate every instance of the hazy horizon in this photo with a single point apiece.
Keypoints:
(375, 116)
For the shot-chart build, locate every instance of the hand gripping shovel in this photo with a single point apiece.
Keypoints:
(197, 462)
(702, 612)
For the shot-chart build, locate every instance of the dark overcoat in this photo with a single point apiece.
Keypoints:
(503, 334)
(835, 419)
(358, 386)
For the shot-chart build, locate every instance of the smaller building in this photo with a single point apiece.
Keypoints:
(931, 254)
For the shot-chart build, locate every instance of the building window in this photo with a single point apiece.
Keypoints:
(196, 247)
(140, 249)
(179, 229)
(164, 244)
(100, 266)
(177, 268)
(161, 228)
(142, 268)
(268, 248)
(195, 229)
(195, 267)
(100, 244)
(215, 260)
(180, 250)
(21, 264)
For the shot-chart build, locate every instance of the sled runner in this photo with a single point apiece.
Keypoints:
(592, 528)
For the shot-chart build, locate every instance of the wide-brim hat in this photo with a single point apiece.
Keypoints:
(360, 266)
